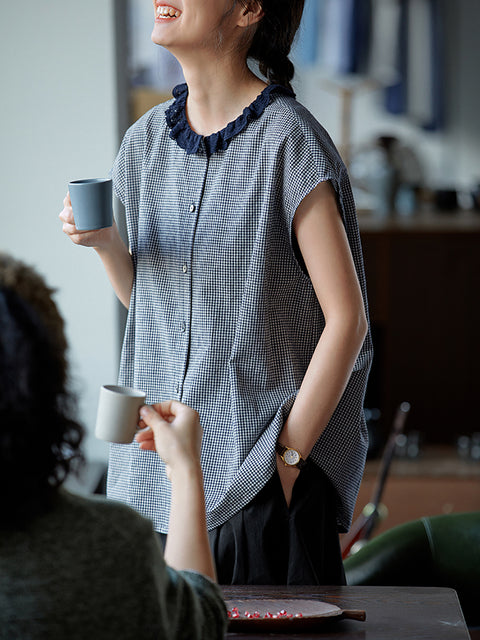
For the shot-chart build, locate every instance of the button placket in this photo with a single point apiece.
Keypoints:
(189, 213)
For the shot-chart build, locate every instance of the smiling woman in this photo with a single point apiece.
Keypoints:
(246, 295)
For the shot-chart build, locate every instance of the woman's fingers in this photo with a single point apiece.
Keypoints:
(66, 216)
(69, 228)
(174, 428)
(94, 238)
(170, 409)
(155, 426)
(147, 445)
(145, 437)
(67, 201)
(151, 415)
(144, 434)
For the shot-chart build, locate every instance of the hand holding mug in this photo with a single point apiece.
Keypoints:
(174, 431)
(97, 238)
(87, 215)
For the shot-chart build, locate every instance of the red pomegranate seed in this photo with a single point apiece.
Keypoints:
(234, 613)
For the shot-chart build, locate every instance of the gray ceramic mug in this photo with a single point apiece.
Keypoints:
(91, 203)
(118, 413)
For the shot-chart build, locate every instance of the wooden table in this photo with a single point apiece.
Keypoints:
(392, 613)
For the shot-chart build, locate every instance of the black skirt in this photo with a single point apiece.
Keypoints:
(270, 543)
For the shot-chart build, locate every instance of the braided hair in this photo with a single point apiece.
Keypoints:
(274, 37)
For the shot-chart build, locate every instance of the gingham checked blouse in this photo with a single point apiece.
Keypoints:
(222, 315)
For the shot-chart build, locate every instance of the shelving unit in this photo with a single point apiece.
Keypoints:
(423, 279)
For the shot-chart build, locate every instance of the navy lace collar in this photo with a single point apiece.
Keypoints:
(190, 141)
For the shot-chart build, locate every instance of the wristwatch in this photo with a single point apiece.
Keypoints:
(291, 457)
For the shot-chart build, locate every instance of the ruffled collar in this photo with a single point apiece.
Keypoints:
(190, 141)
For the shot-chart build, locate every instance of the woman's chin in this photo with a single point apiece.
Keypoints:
(161, 35)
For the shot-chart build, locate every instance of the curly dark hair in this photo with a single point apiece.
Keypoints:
(39, 439)
(274, 36)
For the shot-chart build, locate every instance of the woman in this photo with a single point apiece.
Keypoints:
(74, 567)
(245, 288)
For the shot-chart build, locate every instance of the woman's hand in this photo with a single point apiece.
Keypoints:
(98, 239)
(110, 248)
(174, 431)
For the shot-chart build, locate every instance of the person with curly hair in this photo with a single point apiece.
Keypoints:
(78, 567)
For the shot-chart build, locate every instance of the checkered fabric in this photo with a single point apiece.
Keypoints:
(222, 315)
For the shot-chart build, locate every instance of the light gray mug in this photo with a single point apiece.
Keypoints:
(91, 203)
(118, 413)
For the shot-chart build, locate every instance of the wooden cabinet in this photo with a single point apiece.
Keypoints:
(423, 279)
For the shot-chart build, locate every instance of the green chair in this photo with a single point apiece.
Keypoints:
(441, 551)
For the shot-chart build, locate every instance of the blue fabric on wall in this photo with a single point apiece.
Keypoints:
(396, 94)
(341, 35)
(334, 36)
(345, 34)
(438, 94)
(360, 35)
(307, 46)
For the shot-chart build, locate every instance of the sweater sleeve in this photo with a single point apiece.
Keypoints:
(191, 605)
(196, 607)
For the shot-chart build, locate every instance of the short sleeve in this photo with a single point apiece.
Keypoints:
(126, 177)
(126, 170)
(308, 158)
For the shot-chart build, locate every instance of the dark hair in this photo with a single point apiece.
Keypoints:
(274, 37)
(39, 441)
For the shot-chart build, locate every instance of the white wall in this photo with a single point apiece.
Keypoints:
(59, 122)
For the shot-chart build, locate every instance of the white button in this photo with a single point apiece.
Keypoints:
(183, 326)
(184, 268)
(192, 208)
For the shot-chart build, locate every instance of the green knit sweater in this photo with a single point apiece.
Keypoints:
(94, 569)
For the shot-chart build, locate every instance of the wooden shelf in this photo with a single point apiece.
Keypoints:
(423, 282)
(431, 222)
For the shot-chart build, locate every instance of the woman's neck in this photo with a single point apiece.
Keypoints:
(218, 93)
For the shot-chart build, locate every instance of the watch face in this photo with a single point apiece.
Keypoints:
(291, 456)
